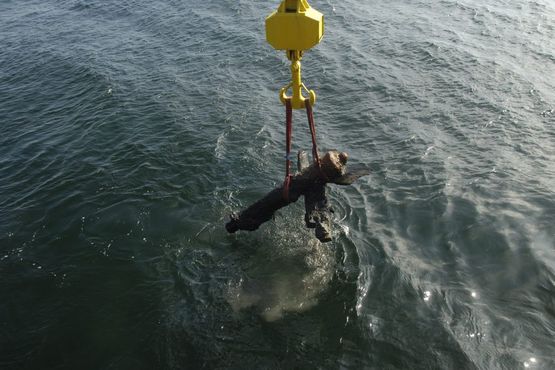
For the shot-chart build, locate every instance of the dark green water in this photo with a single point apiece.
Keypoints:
(131, 129)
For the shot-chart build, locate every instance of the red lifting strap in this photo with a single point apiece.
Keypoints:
(288, 136)
(310, 116)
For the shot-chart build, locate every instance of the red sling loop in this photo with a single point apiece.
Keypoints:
(288, 137)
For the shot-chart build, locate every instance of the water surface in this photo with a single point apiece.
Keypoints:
(131, 129)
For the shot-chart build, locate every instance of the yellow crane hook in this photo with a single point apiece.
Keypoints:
(295, 27)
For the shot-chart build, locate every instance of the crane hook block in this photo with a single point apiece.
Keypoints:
(294, 26)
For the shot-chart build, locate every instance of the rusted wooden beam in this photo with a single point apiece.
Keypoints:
(309, 182)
